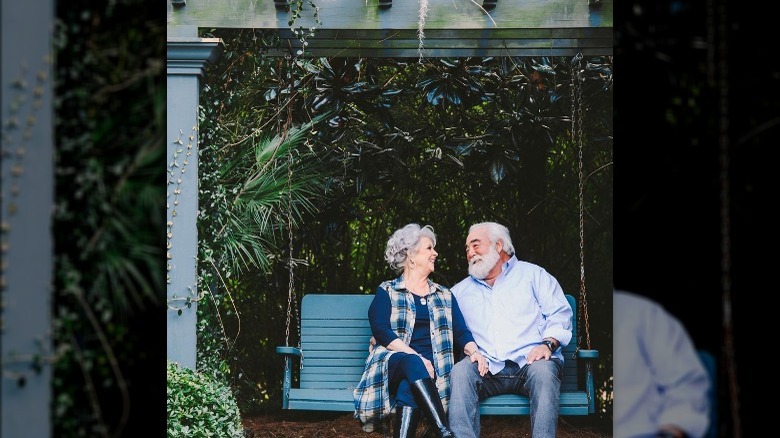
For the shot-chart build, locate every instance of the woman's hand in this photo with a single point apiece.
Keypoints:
(398, 345)
(428, 366)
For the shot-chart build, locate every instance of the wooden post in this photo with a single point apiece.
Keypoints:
(27, 204)
(187, 57)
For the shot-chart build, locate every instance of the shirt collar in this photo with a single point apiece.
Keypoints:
(399, 284)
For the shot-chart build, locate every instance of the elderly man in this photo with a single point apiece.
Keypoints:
(520, 319)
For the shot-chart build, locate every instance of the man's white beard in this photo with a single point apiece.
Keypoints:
(481, 265)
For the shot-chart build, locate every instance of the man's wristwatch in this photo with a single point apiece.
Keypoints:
(549, 345)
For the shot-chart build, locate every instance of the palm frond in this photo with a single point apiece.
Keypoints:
(274, 185)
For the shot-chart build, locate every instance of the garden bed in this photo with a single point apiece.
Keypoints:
(338, 425)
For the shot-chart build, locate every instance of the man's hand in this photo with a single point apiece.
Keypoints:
(538, 353)
(482, 363)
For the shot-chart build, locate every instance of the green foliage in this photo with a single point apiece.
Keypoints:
(253, 196)
(200, 406)
(448, 142)
(109, 103)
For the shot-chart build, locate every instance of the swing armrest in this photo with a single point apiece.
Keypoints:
(588, 354)
(590, 357)
(289, 351)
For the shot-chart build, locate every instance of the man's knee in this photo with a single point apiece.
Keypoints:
(464, 370)
(545, 372)
(464, 374)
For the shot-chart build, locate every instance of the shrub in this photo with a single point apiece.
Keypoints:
(201, 406)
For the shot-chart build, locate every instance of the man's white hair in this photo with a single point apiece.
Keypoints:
(496, 232)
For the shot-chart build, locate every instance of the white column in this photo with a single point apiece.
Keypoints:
(26, 272)
(187, 58)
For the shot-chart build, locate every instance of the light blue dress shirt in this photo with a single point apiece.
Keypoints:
(658, 376)
(525, 305)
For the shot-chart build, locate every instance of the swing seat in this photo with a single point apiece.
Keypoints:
(334, 346)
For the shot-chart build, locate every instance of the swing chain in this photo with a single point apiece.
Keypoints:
(576, 133)
(291, 262)
(290, 295)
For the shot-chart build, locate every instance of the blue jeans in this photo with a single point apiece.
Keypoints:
(539, 381)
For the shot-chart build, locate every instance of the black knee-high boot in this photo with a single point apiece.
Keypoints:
(427, 397)
(405, 422)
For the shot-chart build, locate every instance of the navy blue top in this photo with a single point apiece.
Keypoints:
(379, 316)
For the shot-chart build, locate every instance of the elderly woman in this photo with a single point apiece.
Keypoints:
(418, 327)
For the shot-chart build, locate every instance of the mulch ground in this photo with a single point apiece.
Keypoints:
(289, 424)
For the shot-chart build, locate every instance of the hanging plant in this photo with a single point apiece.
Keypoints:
(422, 13)
(296, 9)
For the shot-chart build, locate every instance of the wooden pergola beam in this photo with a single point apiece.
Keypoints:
(451, 28)
(453, 43)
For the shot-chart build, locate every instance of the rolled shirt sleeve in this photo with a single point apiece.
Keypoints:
(555, 308)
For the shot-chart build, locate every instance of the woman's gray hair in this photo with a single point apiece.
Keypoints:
(404, 242)
(496, 232)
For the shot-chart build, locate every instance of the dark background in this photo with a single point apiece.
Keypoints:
(668, 183)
